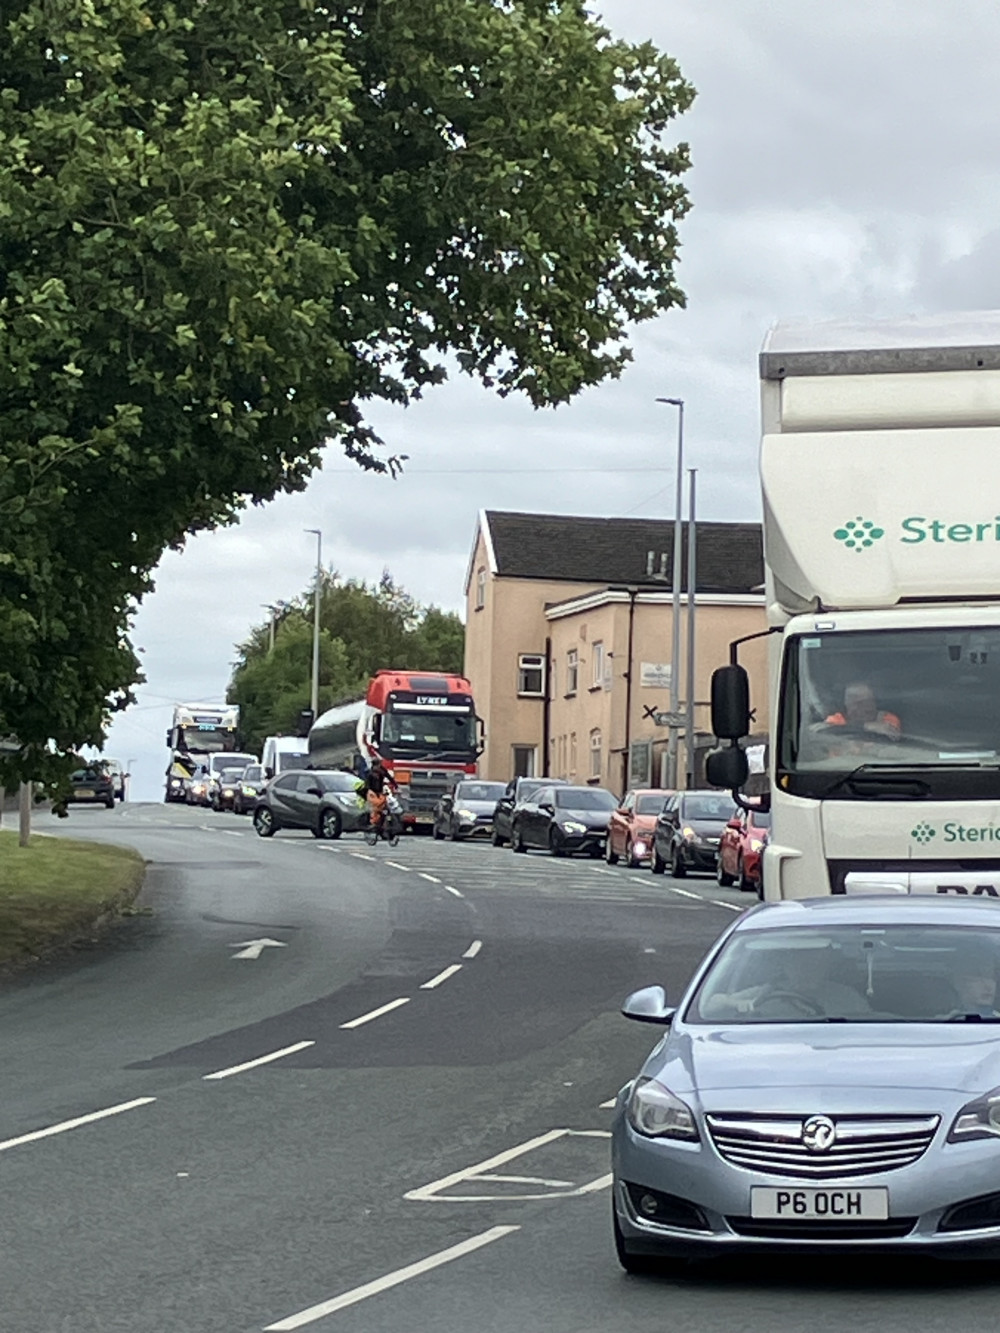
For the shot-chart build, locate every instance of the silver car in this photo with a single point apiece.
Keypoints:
(830, 1081)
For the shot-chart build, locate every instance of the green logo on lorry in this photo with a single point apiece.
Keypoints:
(954, 831)
(923, 833)
(859, 534)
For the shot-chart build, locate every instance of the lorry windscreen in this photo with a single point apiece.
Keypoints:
(430, 731)
(905, 700)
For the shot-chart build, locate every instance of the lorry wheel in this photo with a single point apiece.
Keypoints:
(723, 880)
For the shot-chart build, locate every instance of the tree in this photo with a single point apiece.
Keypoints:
(362, 628)
(225, 228)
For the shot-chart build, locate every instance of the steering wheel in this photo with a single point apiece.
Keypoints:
(805, 1004)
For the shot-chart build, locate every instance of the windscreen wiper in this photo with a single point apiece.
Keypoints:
(881, 777)
(974, 1018)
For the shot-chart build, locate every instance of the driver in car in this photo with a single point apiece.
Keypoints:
(800, 987)
(862, 713)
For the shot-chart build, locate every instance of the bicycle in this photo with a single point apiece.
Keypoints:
(388, 827)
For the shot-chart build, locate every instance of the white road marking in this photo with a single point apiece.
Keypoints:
(254, 948)
(473, 949)
(376, 1013)
(261, 1060)
(442, 976)
(363, 856)
(592, 1186)
(606, 1106)
(529, 1180)
(432, 1193)
(685, 893)
(389, 1280)
(454, 892)
(232, 832)
(396, 866)
(733, 907)
(76, 1123)
(433, 879)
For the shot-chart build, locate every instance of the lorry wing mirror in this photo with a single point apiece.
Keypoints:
(730, 704)
(727, 768)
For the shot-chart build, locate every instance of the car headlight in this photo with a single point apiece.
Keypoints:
(639, 848)
(175, 782)
(247, 791)
(347, 798)
(690, 834)
(467, 815)
(979, 1119)
(227, 791)
(654, 1111)
(574, 826)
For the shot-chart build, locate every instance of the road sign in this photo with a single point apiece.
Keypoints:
(670, 719)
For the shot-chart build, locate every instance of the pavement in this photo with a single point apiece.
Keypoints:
(330, 1087)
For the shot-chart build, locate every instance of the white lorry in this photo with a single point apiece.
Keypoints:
(284, 752)
(880, 471)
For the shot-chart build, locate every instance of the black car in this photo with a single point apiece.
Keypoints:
(250, 786)
(687, 833)
(327, 804)
(518, 790)
(92, 785)
(467, 810)
(564, 820)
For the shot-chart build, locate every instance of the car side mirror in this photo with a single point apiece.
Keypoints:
(315, 791)
(549, 809)
(727, 768)
(649, 1005)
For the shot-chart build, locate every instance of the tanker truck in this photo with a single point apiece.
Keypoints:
(880, 477)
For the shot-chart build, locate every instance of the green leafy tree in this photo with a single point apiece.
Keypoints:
(362, 628)
(226, 227)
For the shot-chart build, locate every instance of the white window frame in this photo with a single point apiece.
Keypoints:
(595, 753)
(572, 671)
(571, 770)
(598, 660)
(533, 663)
(480, 587)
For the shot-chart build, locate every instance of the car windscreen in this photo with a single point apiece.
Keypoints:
(336, 781)
(479, 791)
(588, 798)
(253, 773)
(716, 809)
(231, 774)
(864, 973)
(649, 805)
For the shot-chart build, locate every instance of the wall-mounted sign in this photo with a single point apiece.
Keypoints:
(655, 675)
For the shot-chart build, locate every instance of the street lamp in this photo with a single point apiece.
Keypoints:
(692, 581)
(319, 580)
(274, 613)
(675, 588)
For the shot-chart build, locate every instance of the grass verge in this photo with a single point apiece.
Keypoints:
(56, 890)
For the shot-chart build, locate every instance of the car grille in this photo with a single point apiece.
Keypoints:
(808, 1229)
(864, 1145)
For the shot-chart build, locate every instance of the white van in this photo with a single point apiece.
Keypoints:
(284, 752)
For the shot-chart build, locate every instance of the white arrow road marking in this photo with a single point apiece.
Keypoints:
(389, 1280)
(254, 948)
(261, 1060)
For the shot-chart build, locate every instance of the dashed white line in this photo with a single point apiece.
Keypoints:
(233, 832)
(685, 893)
(64, 1125)
(442, 976)
(473, 949)
(377, 1013)
(261, 1060)
(389, 1280)
(431, 879)
(363, 856)
(733, 907)
(396, 866)
(455, 892)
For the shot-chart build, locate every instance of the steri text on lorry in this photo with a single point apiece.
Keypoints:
(880, 476)
(421, 725)
(198, 732)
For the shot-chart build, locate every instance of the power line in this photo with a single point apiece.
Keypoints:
(495, 471)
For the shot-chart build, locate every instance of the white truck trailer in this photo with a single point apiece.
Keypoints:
(880, 471)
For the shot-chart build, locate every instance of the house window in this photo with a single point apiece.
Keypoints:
(481, 588)
(531, 675)
(597, 657)
(524, 761)
(595, 754)
(572, 754)
(572, 670)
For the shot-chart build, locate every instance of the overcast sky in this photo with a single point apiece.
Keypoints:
(845, 163)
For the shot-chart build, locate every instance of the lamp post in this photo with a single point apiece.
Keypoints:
(319, 580)
(274, 612)
(692, 583)
(675, 588)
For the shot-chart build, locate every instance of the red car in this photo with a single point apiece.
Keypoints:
(740, 847)
(630, 832)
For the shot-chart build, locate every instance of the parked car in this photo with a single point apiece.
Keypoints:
(741, 849)
(248, 789)
(92, 785)
(467, 810)
(828, 1083)
(630, 831)
(224, 792)
(517, 791)
(327, 804)
(563, 820)
(687, 833)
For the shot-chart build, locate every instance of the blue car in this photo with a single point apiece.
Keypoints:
(830, 1081)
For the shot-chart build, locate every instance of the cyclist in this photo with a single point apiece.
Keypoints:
(376, 787)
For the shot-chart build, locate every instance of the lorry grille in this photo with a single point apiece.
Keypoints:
(422, 793)
(863, 1145)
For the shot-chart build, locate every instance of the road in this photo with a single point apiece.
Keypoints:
(324, 1087)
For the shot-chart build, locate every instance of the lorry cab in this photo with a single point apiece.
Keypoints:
(880, 473)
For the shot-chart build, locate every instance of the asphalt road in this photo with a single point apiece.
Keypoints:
(427, 1148)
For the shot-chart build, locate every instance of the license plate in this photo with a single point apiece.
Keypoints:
(84, 791)
(834, 1203)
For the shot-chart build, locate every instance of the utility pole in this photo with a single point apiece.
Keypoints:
(316, 596)
(675, 586)
(692, 584)
(274, 614)
(24, 814)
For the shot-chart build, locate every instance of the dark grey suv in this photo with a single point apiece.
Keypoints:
(327, 804)
(518, 791)
(687, 832)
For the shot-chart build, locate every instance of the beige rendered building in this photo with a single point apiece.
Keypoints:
(568, 640)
